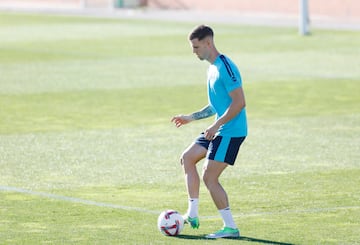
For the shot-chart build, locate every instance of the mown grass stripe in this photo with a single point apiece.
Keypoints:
(143, 210)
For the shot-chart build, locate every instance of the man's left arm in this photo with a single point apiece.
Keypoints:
(237, 104)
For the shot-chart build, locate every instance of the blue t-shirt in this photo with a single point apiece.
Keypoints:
(222, 78)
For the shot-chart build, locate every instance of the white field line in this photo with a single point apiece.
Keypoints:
(143, 210)
(75, 200)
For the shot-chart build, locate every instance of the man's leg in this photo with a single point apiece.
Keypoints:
(211, 173)
(191, 156)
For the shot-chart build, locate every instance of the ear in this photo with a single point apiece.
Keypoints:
(209, 41)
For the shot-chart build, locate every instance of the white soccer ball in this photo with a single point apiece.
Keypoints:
(170, 223)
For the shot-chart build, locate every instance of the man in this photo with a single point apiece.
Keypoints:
(220, 142)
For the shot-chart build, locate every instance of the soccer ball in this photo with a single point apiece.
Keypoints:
(170, 223)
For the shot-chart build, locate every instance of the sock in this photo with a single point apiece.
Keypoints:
(193, 207)
(227, 218)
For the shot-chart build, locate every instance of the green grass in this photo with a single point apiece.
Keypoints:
(87, 146)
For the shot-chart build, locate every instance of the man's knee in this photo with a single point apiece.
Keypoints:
(192, 155)
(208, 178)
(211, 172)
(186, 158)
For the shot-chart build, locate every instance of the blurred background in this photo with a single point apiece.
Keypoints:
(335, 14)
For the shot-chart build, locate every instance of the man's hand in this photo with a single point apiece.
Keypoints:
(180, 120)
(211, 131)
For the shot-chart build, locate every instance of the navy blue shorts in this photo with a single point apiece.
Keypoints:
(221, 148)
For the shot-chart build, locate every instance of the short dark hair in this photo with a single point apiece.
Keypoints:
(200, 32)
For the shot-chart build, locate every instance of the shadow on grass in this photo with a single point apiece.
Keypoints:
(192, 237)
(251, 239)
(242, 238)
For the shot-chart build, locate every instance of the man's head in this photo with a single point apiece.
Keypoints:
(202, 43)
(201, 32)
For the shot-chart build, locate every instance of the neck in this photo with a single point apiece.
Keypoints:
(213, 55)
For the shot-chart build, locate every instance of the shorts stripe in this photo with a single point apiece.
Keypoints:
(221, 152)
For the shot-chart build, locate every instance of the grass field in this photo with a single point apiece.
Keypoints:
(88, 154)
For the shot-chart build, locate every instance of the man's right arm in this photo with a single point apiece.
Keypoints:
(205, 112)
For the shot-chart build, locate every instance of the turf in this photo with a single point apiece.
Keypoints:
(88, 154)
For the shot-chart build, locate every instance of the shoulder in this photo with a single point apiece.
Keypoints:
(224, 62)
(227, 67)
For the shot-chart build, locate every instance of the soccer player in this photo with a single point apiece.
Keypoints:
(220, 142)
